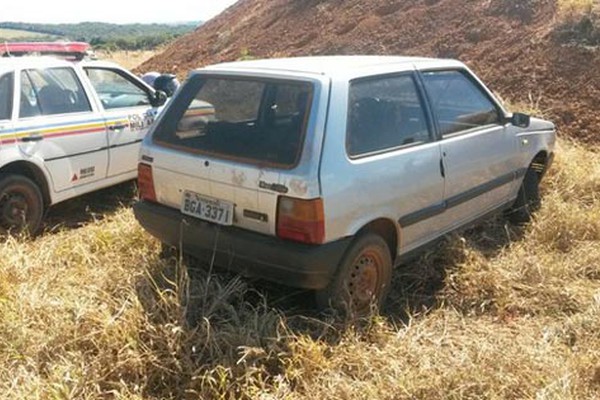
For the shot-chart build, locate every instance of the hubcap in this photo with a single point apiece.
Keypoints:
(363, 280)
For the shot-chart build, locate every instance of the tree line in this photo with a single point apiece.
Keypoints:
(105, 36)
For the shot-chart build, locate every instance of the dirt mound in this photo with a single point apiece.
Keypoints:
(512, 44)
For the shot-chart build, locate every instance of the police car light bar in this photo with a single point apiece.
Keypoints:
(76, 50)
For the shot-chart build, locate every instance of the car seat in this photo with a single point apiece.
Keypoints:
(54, 100)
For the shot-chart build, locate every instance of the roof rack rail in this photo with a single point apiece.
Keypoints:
(69, 50)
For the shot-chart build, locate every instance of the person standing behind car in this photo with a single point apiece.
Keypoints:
(168, 83)
(150, 77)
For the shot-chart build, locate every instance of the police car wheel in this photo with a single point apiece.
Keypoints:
(21, 205)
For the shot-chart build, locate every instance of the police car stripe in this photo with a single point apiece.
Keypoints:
(60, 130)
(63, 124)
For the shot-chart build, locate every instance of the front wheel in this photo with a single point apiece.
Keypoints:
(362, 280)
(21, 205)
(528, 199)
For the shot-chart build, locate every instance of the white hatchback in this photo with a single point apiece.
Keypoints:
(325, 172)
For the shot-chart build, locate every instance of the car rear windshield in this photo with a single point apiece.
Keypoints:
(250, 120)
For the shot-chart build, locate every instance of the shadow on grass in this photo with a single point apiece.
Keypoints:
(416, 285)
(90, 207)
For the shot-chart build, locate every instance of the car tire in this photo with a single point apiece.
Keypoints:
(528, 199)
(21, 205)
(362, 280)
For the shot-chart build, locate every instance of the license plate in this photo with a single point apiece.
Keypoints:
(207, 208)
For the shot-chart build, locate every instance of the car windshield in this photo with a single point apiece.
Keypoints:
(250, 120)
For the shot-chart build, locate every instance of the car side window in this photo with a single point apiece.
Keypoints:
(385, 113)
(458, 103)
(117, 90)
(6, 96)
(51, 91)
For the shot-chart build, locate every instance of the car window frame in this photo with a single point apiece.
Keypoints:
(423, 101)
(131, 78)
(11, 96)
(473, 79)
(175, 106)
(25, 70)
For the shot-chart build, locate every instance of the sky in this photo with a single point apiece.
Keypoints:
(115, 11)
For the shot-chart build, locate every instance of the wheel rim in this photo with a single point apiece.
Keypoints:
(14, 209)
(364, 280)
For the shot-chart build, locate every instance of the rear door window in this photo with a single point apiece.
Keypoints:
(458, 102)
(385, 113)
(51, 91)
(6, 96)
(250, 120)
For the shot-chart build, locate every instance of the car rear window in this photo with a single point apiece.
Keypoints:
(250, 120)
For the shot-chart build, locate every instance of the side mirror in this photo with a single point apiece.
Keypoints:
(521, 120)
(158, 99)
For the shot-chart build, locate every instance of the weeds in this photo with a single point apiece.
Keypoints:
(578, 22)
(572, 8)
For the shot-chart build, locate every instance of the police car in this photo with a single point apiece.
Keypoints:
(68, 126)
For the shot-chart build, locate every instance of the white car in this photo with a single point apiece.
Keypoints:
(325, 172)
(66, 128)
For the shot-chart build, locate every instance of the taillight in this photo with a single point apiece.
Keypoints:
(301, 220)
(146, 182)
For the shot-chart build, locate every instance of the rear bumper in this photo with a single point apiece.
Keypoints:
(247, 253)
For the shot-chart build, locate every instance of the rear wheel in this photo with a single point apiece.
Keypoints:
(362, 280)
(528, 200)
(21, 205)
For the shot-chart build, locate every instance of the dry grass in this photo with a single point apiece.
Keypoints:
(496, 312)
(128, 59)
(575, 7)
(578, 22)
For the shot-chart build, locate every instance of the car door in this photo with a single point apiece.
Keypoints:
(56, 124)
(478, 151)
(6, 107)
(128, 113)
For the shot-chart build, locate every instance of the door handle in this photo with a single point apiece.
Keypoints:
(36, 138)
(117, 127)
(442, 169)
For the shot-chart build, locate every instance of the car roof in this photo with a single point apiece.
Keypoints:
(31, 61)
(48, 61)
(326, 65)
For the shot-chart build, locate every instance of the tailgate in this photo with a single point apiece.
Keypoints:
(227, 147)
(177, 174)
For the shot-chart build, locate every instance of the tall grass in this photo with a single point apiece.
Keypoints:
(575, 7)
(495, 312)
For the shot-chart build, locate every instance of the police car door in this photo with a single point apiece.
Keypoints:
(57, 125)
(128, 113)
